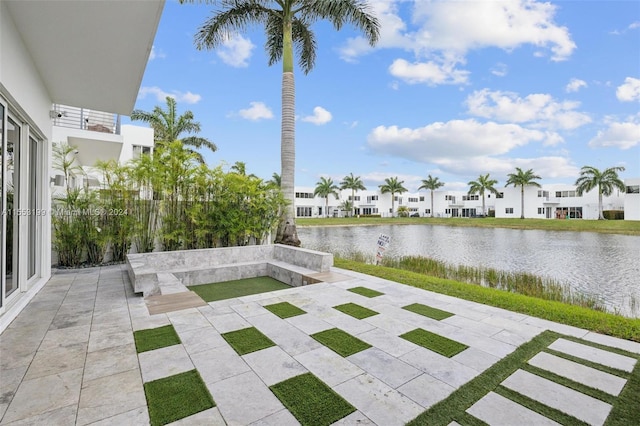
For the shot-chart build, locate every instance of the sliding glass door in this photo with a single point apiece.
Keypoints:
(11, 196)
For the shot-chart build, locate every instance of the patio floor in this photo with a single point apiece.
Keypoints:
(69, 357)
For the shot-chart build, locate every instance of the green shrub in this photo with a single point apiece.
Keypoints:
(613, 214)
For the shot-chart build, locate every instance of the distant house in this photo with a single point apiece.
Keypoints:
(89, 55)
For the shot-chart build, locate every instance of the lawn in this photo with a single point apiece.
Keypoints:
(155, 338)
(284, 310)
(428, 311)
(341, 342)
(434, 342)
(247, 340)
(356, 311)
(237, 288)
(366, 292)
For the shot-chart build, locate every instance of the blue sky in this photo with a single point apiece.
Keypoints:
(454, 89)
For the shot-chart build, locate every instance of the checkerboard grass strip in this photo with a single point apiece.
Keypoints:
(540, 408)
(285, 310)
(356, 311)
(340, 342)
(311, 401)
(428, 311)
(176, 397)
(364, 291)
(155, 338)
(237, 288)
(434, 342)
(247, 340)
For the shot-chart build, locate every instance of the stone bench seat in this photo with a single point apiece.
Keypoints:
(169, 272)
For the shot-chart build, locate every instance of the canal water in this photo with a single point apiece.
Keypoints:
(603, 265)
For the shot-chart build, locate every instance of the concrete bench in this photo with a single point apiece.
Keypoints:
(170, 272)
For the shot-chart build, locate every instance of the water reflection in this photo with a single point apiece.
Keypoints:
(605, 265)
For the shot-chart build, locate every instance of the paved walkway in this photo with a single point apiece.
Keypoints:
(69, 357)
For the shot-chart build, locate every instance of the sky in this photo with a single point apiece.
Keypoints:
(453, 89)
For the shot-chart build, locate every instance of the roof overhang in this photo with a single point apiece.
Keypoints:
(90, 54)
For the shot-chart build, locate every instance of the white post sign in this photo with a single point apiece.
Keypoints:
(383, 243)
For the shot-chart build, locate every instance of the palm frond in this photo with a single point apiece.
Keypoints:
(304, 41)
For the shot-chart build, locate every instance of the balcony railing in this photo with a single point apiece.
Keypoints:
(85, 119)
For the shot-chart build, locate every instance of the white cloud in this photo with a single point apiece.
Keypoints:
(236, 51)
(629, 91)
(161, 95)
(623, 135)
(430, 73)
(445, 29)
(575, 84)
(156, 54)
(548, 167)
(320, 116)
(499, 70)
(540, 110)
(256, 111)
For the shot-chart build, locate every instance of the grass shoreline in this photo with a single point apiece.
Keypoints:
(621, 227)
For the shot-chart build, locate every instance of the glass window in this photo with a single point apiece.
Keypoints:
(633, 189)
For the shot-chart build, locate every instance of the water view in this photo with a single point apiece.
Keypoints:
(604, 265)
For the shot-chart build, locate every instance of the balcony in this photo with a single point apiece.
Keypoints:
(85, 119)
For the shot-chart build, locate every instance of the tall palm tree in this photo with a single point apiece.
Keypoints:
(482, 185)
(324, 188)
(287, 24)
(168, 127)
(393, 186)
(354, 183)
(522, 179)
(432, 184)
(606, 181)
(275, 180)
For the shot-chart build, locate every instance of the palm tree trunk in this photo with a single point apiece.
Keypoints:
(522, 202)
(393, 205)
(484, 211)
(600, 213)
(353, 202)
(432, 203)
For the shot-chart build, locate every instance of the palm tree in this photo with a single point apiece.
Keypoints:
(482, 185)
(168, 127)
(431, 184)
(324, 188)
(275, 180)
(522, 179)
(287, 24)
(393, 186)
(606, 181)
(354, 183)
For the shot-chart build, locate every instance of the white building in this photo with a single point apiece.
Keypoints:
(90, 55)
(632, 199)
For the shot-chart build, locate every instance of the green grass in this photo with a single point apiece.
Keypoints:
(340, 342)
(626, 227)
(626, 410)
(284, 310)
(599, 322)
(247, 340)
(434, 342)
(428, 311)
(355, 311)
(366, 292)
(155, 338)
(237, 288)
(176, 397)
(311, 401)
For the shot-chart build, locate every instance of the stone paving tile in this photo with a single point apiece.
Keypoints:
(388, 342)
(201, 339)
(228, 322)
(244, 398)
(109, 337)
(497, 410)
(581, 406)
(210, 417)
(590, 353)
(65, 336)
(250, 309)
(579, 373)
(388, 323)
(218, 364)
(109, 396)
(273, 365)
(345, 322)
(44, 394)
(426, 390)
(328, 366)
(445, 369)
(57, 360)
(188, 319)
(60, 416)
(164, 362)
(378, 401)
(355, 418)
(554, 326)
(627, 345)
(384, 367)
(110, 361)
(137, 416)
(10, 380)
(283, 334)
(476, 359)
(281, 418)
(486, 344)
(309, 324)
(473, 325)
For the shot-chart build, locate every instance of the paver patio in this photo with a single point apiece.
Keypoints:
(69, 357)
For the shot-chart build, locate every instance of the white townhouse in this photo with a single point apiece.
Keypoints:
(87, 54)
(632, 199)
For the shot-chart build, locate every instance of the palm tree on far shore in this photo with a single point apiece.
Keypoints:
(168, 126)
(287, 23)
(482, 185)
(606, 181)
(522, 179)
(393, 186)
(354, 183)
(432, 184)
(324, 188)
